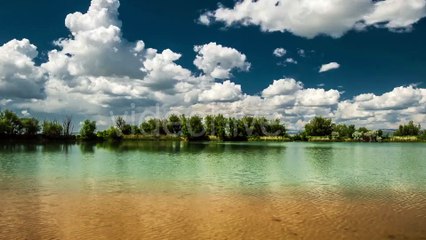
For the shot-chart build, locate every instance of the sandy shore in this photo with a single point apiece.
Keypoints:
(205, 216)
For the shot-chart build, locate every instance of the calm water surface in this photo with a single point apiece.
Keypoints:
(177, 190)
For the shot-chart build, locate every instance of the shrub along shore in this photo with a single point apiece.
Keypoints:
(195, 128)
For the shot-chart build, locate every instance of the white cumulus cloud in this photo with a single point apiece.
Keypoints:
(19, 77)
(309, 18)
(222, 92)
(329, 66)
(280, 52)
(218, 61)
(282, 87)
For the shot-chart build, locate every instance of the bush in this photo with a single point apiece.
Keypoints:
(342, 131)
(10, 124)
(52, 129)
(404, 139)
(87, 131)
(423, 135)
(110, 134)
(410, 129)
(30, 126)
(319, 127)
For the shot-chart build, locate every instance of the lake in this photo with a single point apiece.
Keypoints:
(178, 190)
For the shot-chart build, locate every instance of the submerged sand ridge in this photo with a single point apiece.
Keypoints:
(207, 216)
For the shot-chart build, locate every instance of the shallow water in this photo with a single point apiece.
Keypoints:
(176, 190)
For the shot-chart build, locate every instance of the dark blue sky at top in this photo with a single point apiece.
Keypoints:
(374, 61)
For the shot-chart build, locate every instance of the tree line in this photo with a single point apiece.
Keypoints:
(196, 128)
(323, 128)
(28, 127)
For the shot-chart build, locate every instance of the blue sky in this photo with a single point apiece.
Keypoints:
(379, 48)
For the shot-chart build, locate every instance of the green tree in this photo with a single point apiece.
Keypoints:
(260, 126)
(410, 129)
(146, 127)
(88, 129)
(30, 126)
(121, 125)
(319, 127)
(135, 130)
(209, 125)
(423, 135)
(247, 123)
(52, 129)
(185, 130)
(275, 127)
(111, 133)
(10, 124)
(220, 126)
(153, 126)
(363, 130)
(344, 131)
(174, 125)
(232, 128)
(195, 127)
(67, 125)
(358, 136)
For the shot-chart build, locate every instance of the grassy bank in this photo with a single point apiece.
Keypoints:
(404, 139)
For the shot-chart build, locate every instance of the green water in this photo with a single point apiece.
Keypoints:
(350, 170)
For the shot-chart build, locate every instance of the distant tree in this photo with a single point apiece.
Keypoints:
(111, 133)
(135, 130)
(67, 125)
(153, 126)
(220, 126)
(146, 128)
(30, 126)
(120, 122)
(410, 129)
(209, 125)
(335, 135)
(10, 124)
(363, 129)
(319, 126)
(232, 128)
(344, 131)
(52, 129)
(126, 129)
(423, 135)
(274, 128)
(358, 136)
(87, 131)
(185, 127)
(247, 122)
(174, 125)
(370, 136)
(236, 129)
(121, 125)
(260, 126)
(195, 127)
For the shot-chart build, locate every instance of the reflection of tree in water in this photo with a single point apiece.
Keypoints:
(20, 157)
(87, 147)
(321, 157)
(189, 147)
(56, 147)
(144, 146)
(16, 148)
